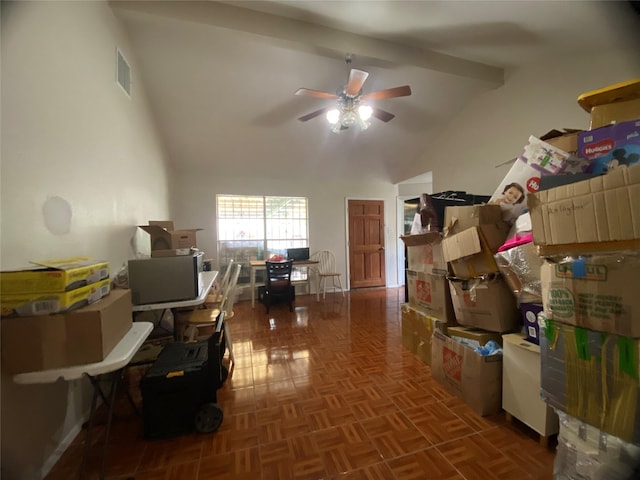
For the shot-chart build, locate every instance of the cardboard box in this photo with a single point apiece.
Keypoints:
(45, 303)
(611, 146)
(612, 104)
(604, 208)
(424, 253)
(460, 218)
(566, 140)
(618, 112)
(592, 377)
(474, 378)
(55, 275)
(486, 304)
(86, 335)
(472, 337)
(429, 293)
(470, 253)
(598, 292)
(417, 329)
(532, 323)
(164, 237)
(176, 252)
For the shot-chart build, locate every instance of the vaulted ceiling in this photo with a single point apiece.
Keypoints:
(221, 76)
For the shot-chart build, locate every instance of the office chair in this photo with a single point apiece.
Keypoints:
(325, 269)
(279, 283)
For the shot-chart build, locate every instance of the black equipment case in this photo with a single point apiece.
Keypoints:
(179, 390)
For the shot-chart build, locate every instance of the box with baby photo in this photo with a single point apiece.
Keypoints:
(538, 158)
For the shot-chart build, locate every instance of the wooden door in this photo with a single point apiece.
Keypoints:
(366, 243)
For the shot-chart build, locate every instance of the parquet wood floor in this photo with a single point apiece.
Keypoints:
(325, 392)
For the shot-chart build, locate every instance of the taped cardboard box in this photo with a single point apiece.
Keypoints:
(599, 292)
(86, 335)
(485, 303)
(474, 378)
(602, 209)
(417, 329)
(429, 293)
(470, 253)
(592, 377)
(54, 275)
(164, 237)
(459, 218)
(424, 253)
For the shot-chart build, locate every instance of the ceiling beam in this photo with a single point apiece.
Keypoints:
(311, 37)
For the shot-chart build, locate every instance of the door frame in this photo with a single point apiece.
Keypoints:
(346, 240)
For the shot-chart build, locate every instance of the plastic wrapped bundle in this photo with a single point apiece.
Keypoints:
(586, 453)
(520, 266)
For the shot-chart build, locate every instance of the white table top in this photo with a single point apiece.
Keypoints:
(119, 357)
(207, 279)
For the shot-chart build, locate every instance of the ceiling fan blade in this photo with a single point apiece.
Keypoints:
(316, 93)
(382, 115)
(356, 80)
(403, 91)
(314, 114)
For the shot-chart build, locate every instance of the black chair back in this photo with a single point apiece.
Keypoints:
(278, 285)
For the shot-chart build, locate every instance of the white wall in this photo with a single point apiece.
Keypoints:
(534, 100)
(195, 194)
(81, 167)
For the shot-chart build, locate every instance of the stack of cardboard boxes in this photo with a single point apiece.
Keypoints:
(61, 313)
(588, 234)
(564, 279)
(458, 301)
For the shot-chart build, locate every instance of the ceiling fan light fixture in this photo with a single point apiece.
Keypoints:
(333, 116)
(349, 118)
(365, 112)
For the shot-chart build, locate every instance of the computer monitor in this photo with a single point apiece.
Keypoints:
(298, 253)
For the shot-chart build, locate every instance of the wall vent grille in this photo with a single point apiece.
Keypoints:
(123, 73)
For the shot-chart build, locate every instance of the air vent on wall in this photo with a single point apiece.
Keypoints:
(123, 73)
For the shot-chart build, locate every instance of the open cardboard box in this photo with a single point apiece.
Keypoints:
(424, 252)
(470, 253)
(164, 237)
(474, 378)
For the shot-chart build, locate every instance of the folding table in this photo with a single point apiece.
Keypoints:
(114, 363)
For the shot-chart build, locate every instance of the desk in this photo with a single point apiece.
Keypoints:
(114, 363)
(256, 265)
(206, 280)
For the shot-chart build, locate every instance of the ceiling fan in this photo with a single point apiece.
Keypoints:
(352, 106)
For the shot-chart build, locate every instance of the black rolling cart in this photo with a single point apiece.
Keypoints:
(179, 390)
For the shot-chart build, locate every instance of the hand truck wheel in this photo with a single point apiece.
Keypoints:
(208, 418)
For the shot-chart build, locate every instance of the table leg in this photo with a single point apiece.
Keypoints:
(87, 438)
(252, 282)
(114, 387)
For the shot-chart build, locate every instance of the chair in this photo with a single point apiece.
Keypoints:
(207, 317)
(325, 269)
(215, 297)
(279, 283)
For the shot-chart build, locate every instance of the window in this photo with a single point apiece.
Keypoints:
(257, 227)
